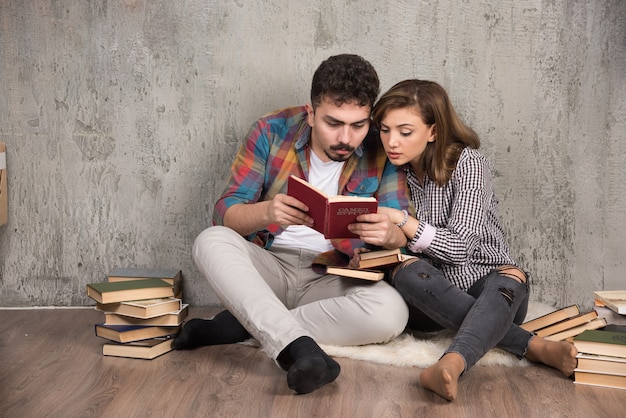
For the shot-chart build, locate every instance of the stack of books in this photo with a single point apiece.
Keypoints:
(564, 323)
(602, 352)
(372, 265)
(601, 357)
(143, 310)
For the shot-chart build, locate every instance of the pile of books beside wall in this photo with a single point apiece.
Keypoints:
(598, 335)
(143, 311)
(602, 352)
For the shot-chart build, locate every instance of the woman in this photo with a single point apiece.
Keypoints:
(464, 278)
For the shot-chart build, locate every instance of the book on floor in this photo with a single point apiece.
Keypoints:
(111, 292)
(331, 214)
(600, 379)
(169, 319)
(382, 258)
(173, 276)
(372, 275)
(143, 308)
(606, 343)
(566, 324)
(551, 318)
(612, 299)
(130, 333)
(574, 331)
(610, 315)
(601, 364)
(146, 349)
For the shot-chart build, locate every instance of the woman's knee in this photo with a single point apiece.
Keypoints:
(512, 272)
(510, 283)
(414, 274)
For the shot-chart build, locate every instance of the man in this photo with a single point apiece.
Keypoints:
(259, 256)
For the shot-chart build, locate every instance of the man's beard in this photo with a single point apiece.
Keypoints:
(340, 147)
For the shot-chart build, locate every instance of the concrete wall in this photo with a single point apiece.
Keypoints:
(121, 118)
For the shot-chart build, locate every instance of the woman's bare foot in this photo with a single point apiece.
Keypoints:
(443, 376)
(560, 355)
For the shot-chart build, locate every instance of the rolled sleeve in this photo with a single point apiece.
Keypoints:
(423, 237)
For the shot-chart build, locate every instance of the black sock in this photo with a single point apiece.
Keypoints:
(308, 366)
(223, 329)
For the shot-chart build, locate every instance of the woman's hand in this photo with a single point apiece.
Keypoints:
(378, 229)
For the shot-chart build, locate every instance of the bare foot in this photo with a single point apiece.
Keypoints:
(560, 355)
(443, 376)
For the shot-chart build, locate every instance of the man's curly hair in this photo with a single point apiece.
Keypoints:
(345, 78)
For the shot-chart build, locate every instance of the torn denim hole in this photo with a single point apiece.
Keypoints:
(508, 294)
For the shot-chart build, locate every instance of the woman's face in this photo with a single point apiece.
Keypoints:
(404, 135)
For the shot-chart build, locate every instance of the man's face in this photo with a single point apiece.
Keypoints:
(336, 131)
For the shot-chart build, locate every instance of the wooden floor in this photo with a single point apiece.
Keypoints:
(51, 366)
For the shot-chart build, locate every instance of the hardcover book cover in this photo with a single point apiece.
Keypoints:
(612, 299)
(382, 258)
(108, 292)
(169, 319)
(131, 333)
(567, 324)
(572, 332)
(146, 349)
(371, 275)
(331, 214)
(607, 343)
(143, 308)
(551, 318)
(119, 274)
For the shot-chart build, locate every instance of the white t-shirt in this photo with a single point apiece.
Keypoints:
(324, 176)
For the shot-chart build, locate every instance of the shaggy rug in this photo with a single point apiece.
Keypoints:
(424, 349)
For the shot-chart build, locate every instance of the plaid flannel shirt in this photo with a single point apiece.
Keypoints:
(277, 146)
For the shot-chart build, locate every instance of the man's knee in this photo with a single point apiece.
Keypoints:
(213, 235)
(389, 316)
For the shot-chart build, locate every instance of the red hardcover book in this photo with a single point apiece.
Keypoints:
(331, 214)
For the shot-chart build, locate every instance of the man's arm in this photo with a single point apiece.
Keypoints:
(283, 210)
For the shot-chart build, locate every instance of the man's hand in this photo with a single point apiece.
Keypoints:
(251, 217)
(286, 210)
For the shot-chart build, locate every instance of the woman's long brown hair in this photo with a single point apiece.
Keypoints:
(433, 105)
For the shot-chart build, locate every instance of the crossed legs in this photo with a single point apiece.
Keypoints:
(274, 297)
(484, 317)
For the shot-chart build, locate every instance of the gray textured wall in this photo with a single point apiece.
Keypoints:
(121, 118)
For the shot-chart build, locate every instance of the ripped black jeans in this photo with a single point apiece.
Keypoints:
(485, 316)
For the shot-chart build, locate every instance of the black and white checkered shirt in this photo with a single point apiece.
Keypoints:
(459, 225)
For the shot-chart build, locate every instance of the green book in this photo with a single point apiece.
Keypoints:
(123, 273)
(597, 341)
(111, 292)
(172, 276)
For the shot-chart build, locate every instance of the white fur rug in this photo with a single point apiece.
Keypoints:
(424, 349)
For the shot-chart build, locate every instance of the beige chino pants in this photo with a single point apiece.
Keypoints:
(277, 297)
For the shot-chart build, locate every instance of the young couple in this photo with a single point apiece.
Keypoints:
(412, 152)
